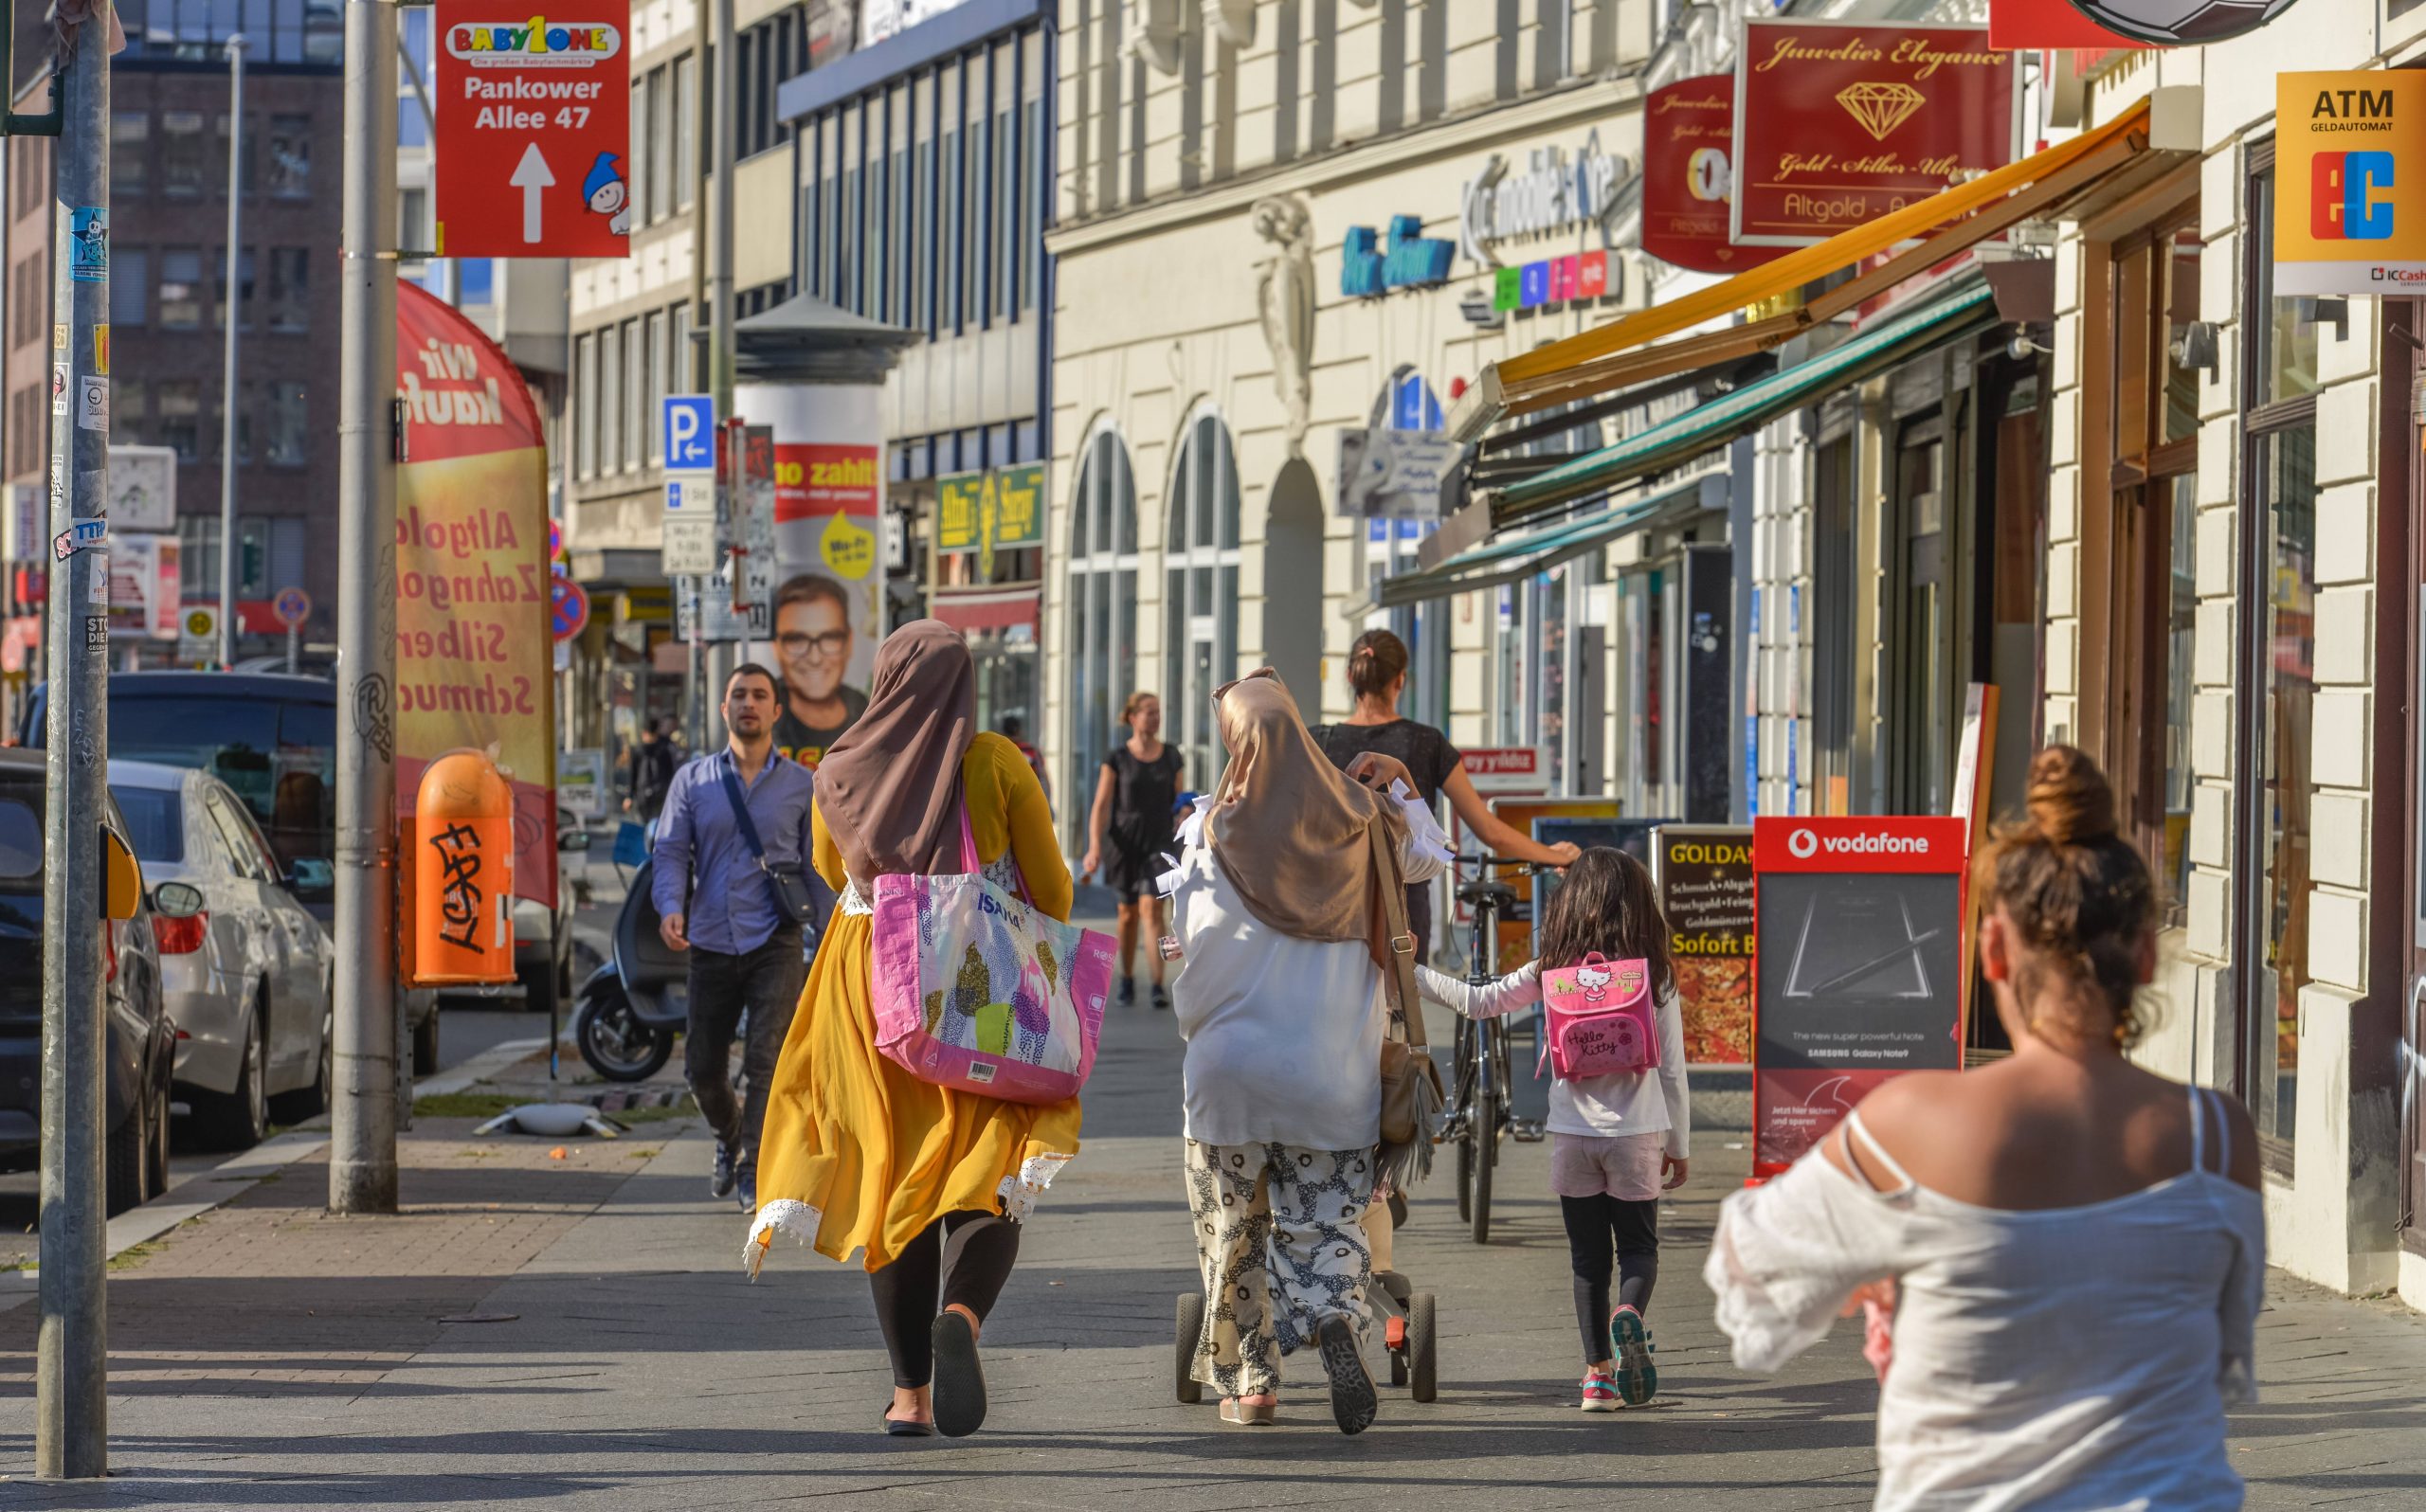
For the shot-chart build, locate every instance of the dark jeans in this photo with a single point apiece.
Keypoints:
(963, 1258)
(1594, 1224)
(766, 982)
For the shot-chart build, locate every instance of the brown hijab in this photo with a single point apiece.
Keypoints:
(1290, 829)
(889, 790)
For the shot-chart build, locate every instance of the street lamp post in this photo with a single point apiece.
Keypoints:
(362, 1128)
(234, 305)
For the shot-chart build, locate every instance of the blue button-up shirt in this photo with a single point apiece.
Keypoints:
(704, 868)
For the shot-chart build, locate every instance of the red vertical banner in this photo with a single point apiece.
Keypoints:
(1688, 180)
(472, 602)
(1859, 974)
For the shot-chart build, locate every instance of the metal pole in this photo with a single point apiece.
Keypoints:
(227, 390)
(71, 1412)
(362, 1135)
(294, 644)
(720, 272)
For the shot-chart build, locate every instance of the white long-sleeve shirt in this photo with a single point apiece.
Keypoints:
(1284, 1036)
(1593, 1107)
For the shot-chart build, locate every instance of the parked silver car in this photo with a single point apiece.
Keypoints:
(246, 970)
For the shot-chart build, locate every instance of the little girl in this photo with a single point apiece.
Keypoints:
(1615, 1146)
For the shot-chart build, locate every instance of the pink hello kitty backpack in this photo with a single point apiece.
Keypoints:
(1600, 1018)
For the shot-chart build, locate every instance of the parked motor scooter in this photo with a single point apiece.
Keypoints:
(631, 1007)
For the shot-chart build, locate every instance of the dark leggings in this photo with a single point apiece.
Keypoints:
(963, 1257)
(1594, 1225)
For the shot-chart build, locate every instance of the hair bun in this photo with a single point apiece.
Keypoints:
(2070, 801)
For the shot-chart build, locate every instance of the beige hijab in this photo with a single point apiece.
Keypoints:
(1291, 830)
(889, 790)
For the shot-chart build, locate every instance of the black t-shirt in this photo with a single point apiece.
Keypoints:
(805, 743)
(1427, 753)
(1142, 796)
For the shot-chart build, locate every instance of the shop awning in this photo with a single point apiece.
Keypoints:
(1515, 557)
(1964, 312)
(986, 608)
(1619, 354)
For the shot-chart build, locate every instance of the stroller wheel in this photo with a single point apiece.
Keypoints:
(1422, 1362)
(1190, 1326)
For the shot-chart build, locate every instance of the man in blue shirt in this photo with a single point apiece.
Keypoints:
(717, 901)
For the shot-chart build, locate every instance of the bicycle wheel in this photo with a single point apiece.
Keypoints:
(1484, 1136)
(1461, 1092)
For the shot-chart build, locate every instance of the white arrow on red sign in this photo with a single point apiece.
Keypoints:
(530, 175)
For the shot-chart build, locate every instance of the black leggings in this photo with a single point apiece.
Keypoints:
(1593, 1225)
(963, 1258)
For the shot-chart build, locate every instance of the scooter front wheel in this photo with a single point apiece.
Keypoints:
(617, 1045)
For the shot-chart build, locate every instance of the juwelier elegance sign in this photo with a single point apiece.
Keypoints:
(1553, 192)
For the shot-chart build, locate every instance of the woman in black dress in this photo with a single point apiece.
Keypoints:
(1132, 808)
(1377, 675)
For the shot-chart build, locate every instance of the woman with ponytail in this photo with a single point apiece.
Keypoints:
(2071, 1251)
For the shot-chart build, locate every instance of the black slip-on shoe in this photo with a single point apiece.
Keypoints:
(721, 1179)
(903, 1427)
(1353, 1402)
(960, 1380)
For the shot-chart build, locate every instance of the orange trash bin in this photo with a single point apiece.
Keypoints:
(462, 872)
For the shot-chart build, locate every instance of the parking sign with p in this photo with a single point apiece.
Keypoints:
(690, 433)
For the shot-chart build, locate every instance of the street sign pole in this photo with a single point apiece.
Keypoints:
(227, 389)
(362, 1130)
(71, 1376)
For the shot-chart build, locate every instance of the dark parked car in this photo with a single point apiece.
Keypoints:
(143, 1044)
(272, 739)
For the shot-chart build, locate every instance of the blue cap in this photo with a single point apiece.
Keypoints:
(601, 175)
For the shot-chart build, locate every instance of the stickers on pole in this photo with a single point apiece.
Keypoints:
(533, 128)
(93, 404)
(88, 243)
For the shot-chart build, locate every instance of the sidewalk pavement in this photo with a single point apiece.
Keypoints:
(539, 1330)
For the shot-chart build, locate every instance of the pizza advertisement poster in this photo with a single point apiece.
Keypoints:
(1704, 875)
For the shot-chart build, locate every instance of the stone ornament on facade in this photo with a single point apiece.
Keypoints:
(1285, 301)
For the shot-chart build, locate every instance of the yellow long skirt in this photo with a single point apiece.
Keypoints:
(857, 1154)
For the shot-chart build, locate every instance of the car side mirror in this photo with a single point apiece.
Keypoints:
(177, 900)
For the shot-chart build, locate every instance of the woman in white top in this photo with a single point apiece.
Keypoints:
(1279, 909)
(2071, 1251)
(1616, 1140)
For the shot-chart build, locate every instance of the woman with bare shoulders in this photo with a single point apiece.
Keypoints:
(2069, 1251)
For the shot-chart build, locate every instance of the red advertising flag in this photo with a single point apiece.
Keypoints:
(2029, 26)
(1838, 124)
(1688, 141)
(533, 121)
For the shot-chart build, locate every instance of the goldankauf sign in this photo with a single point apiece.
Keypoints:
(1409, 259)
(1552, 194)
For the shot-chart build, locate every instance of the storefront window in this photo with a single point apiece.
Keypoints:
(2181, 689)
(2278, 678)
(1102, 613)
(1201, 594)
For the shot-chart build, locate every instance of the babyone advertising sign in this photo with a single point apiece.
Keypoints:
(1838, 124)
(2342, 142)
(1860, 974)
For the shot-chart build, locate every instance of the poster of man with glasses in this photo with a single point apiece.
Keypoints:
(815, 649)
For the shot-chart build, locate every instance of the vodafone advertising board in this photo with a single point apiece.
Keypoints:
(534, 117)
(1859, 976)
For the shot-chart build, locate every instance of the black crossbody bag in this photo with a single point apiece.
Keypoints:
(787, 882)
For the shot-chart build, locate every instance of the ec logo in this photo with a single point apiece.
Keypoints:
(2342, 196)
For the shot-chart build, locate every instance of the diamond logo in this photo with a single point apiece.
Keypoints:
(1880, 108)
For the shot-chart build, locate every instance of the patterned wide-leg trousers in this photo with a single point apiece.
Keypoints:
(1280, 1241)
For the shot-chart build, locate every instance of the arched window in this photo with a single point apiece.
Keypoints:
(1390, 546)
(1200, 594)
(1102, 615)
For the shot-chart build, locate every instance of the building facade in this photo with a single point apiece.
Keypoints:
(1283, 225)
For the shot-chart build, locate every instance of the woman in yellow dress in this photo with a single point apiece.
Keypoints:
(931, 1184)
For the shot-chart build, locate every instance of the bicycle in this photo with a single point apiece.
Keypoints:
(1476, 1117)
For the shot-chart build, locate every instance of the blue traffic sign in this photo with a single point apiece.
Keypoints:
(690, 433)
(568, 608)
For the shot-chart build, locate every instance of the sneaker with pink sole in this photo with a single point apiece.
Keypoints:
(1600, 1392)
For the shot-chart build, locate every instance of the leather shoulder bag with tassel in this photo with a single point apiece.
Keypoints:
(1412, 1094)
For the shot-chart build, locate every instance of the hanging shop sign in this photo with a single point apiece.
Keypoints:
(1838, 124)
(1409, 259)
(2342, 142)
(1858, 977)
(1688, 143)
(1704, 874)
(1552, 193)
(1396, 475)
(2168, 23)
(533, 120)
(2031, 26)
(981, 514)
